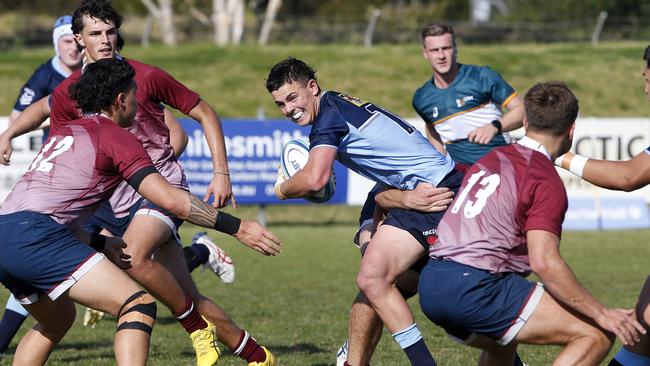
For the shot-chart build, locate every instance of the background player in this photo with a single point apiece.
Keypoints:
(370, 141)
(461, 104)
(505, 222)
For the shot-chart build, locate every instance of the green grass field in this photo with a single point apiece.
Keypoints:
(297, 303)
(606, 78)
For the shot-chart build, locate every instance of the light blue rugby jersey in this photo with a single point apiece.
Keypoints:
(376, 143)
(472, 100)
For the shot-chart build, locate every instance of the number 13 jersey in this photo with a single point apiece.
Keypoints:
(509, 191)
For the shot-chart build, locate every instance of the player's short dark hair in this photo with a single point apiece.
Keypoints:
(437, 29)
(98, 9)
(551, 107)
(287, 71)
(100, 83)
(646, 57)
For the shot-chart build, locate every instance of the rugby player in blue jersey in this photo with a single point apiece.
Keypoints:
(626, 176)
(461, 104)
(384, 148)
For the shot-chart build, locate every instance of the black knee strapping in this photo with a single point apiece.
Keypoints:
(138, 312)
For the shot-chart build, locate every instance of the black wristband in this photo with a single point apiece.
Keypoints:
(97, 242)
(227, 223)
(496, 123)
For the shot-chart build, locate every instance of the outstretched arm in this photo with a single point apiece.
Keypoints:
(29, 120)
(220, 185)
(190, 208)
(559, 281)
(621, 175)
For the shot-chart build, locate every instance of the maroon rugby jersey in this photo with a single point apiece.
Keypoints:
(154, 88)
(509, 191)
(78, 166)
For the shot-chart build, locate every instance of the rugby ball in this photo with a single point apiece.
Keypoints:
(295, 154)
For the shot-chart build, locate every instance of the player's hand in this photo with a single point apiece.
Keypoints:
(5, 149)
(427, 198)
(114, 251)
(259, 238)
(221, 188)
(623, 323)
(279, 180)
(482, 135)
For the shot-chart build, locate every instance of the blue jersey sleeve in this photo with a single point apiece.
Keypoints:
(494, 85)
(330, 127)
(647, 150)
(39, 85)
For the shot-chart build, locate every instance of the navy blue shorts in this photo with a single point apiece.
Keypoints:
(423, 226)
(39, 256)
(466, 301)
(147, 207)
(103, 218)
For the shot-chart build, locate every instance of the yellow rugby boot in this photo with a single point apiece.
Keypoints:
(205, 345)
(270, 360)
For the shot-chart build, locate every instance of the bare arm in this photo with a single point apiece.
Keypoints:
(29, 120)
(621, 175)
(312, 178)
(177, 136)
(559, 281)
(190, 208)
(512, 120)
(424, 198)
(220, 185)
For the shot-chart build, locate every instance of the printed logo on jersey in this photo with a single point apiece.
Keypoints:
(460, 102)
(434, 114)
(27, 96)
(354, 100)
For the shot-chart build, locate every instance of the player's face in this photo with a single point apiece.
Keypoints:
(99, 39)
(646, 82)
(298, 101)
(68, 52)
(440, 52)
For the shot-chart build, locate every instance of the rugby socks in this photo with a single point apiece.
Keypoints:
(11, 322)
(195, 255)
(248, 349)
(410, 339)
(627, 358)
(190, 318)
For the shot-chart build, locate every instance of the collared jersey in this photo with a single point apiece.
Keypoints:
(512, 190)
(78, 167)
(472, 100)
(154, 88)
(376, 143)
